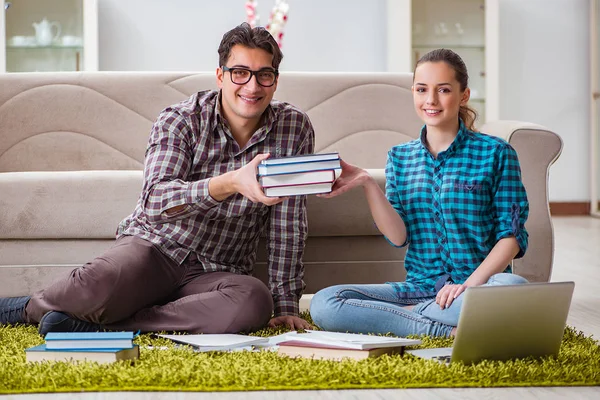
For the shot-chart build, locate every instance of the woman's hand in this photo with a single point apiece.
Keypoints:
(351, 177)
(448, 293)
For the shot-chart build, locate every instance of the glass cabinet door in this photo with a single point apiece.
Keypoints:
(458, 25)
(45, 35)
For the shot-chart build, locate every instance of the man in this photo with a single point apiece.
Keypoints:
(182, 260)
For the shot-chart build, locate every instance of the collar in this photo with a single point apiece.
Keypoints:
(454, 146)
(267, 120)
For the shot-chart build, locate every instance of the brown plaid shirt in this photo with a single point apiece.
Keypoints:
(190, 142)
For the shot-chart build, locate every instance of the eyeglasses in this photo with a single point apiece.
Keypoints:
(240, 76)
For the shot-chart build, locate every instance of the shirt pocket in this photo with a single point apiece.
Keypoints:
(467, 198)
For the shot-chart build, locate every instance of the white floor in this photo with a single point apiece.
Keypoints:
(577, 258)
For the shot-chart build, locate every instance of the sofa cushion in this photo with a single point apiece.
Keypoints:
(66, 204)
(90, 205)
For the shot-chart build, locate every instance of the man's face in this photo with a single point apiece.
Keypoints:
(245, 103)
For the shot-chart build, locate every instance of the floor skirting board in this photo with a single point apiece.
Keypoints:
(570, 208)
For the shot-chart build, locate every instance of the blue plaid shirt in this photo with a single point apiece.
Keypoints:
(456, 207)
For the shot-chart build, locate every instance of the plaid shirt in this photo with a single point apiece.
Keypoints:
(456, 207)
(190, 142)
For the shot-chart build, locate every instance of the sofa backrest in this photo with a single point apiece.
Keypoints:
(101, 121)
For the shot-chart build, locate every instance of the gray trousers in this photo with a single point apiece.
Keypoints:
(134, 286)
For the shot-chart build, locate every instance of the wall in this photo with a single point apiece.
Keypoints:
(544, 60)
(544, 78)
(183, 35)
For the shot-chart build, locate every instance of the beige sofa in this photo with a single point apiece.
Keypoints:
(72, 148)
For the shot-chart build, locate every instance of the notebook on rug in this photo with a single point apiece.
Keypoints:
(338, 346)
(216, 342)
(504, 322)
(350, 341)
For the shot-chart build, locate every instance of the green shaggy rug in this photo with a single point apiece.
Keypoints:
(181, 369)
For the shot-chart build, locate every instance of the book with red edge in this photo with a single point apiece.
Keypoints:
(293, 348)
(300, 178)
(298, 190)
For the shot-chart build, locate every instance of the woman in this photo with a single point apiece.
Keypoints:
(454, 196)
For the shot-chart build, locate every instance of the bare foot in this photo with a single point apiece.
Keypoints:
(408, 307)
(453, 332)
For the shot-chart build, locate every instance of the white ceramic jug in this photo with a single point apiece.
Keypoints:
(43, 32)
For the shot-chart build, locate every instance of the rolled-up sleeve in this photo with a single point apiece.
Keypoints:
(391, 193)
(510, 204)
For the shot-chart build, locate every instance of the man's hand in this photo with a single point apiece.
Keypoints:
(350, 178)
(244, 182)
(291, 321)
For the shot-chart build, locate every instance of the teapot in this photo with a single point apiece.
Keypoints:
(43, 32)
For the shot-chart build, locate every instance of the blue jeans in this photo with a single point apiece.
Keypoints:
(379, 309)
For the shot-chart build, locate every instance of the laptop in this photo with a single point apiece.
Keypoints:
(504, 322)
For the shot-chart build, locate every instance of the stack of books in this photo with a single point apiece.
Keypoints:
(299, 175)
(101, 347)
(338, 346)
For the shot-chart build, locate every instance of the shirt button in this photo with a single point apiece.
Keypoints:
(437, 213)
(443, 241)
(436, 188)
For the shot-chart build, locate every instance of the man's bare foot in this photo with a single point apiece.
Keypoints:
(453, 332)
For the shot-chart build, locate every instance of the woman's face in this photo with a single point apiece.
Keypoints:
(437, 95)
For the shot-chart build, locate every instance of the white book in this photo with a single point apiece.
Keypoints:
(301, 158)
(295, 167)
(216, 342)
(298, 190)
(352, 340)
(300, 178)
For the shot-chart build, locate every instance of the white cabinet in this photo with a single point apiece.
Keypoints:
(43, 35)
(595, 108)
(468, 27)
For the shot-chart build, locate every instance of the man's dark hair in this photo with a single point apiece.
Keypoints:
(250, 37)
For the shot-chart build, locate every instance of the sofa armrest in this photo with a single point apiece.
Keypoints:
(538, 148)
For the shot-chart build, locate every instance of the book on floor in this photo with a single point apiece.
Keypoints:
(87, 340)
(42, 353)
(352, 341)
(296, 164)
(315, 351)
(297, 190)
(216, 342)
(299, 178)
